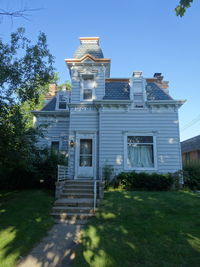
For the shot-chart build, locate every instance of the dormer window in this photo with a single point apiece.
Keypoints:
(88, 88)
(62, 102)
(139, 100)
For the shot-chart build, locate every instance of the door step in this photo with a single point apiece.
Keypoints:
(76, 202)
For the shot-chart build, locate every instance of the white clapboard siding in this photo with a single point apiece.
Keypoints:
(163, 125)
(57, 130)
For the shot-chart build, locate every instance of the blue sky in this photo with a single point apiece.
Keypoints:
(136, 34)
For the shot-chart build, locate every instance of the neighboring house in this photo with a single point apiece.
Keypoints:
(190, 149)
(129, 123)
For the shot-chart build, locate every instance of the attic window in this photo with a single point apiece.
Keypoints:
(62, 102)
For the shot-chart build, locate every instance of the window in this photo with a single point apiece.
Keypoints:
(62, 102)
(140, 152)
(55, 146)
(139, 100)
(85, 153)
(88, 87)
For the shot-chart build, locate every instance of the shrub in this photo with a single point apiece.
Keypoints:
(39, 170)
(107, 172)
(144, 181)
(192, 175)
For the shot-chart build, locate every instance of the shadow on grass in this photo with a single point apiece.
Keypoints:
(143, 229)
(24, 220)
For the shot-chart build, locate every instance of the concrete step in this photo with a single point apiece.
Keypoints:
(76, 210)
(74, 202)
(77, 191)
(78, 186)
(77, 195)
(79, 181)
(71, 216)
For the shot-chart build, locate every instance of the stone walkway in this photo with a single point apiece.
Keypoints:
(56, 249)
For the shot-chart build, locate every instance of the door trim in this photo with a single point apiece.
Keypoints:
(79, 136)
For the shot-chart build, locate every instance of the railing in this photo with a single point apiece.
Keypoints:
(62, 173)
(95, 194)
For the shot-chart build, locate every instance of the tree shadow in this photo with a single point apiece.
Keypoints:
(143, 229)
(24, 221)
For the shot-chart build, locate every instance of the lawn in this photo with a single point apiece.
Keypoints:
(24, 220)
(143, 229)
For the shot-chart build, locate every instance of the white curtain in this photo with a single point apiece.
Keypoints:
(140, 156)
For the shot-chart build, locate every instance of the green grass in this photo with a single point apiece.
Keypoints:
(147, 229)
(24, 220)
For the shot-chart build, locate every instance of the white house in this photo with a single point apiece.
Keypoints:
(129, 123)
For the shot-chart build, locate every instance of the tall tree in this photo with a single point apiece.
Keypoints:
(181, 8)
(25, 69)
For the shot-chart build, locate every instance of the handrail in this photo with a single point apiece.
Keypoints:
(95, 194)
(62, 173)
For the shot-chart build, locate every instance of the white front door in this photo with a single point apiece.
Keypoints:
(85, 160)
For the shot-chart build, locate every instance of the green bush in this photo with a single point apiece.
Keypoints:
(144, 181)
(40, 170)
(191, 172)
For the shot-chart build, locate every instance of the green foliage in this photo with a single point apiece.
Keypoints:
(66, 84)
(46, 167)
(181, 8)
(38, 170)
(192, 175)
(24, 222)
(26, 69)
(107, 172)
(142, 229)
(144, 181)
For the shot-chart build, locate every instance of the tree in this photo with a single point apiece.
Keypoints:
(25, 69)
(181, 8)
(20, 13)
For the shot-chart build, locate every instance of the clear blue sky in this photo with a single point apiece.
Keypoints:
(136, 34)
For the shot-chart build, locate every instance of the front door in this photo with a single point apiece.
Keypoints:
(85, 158)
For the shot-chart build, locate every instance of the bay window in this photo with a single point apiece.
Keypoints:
(140, 152)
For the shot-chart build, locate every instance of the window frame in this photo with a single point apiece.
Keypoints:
(59, 145)
(87, 77)
(126, 167)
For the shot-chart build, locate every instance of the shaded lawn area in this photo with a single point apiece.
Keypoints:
(24, 220)
(143, 229)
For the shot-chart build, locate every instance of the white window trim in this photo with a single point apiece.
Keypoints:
(126, 154)
(57, 101)
(82, 90)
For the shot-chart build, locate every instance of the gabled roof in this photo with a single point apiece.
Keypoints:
(86, 56)
(191, 144)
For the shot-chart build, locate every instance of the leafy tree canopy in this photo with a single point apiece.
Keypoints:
(181, 8)
(24, 68)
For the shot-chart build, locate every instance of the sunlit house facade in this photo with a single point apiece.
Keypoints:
(128, 123)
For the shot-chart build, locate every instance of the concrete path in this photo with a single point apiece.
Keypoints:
(56, 249)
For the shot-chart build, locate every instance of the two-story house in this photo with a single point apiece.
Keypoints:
(129, 123)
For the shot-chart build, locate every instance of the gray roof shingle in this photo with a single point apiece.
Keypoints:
(156, 93)
(51, 106)
(117, 91)
(191, 144)
(88, 48)
(120, 91)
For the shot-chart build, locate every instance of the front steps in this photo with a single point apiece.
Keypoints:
(76, 201)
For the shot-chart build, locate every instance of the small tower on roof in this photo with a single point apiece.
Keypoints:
(89, 45)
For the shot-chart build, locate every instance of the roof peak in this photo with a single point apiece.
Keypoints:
(89, 40)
